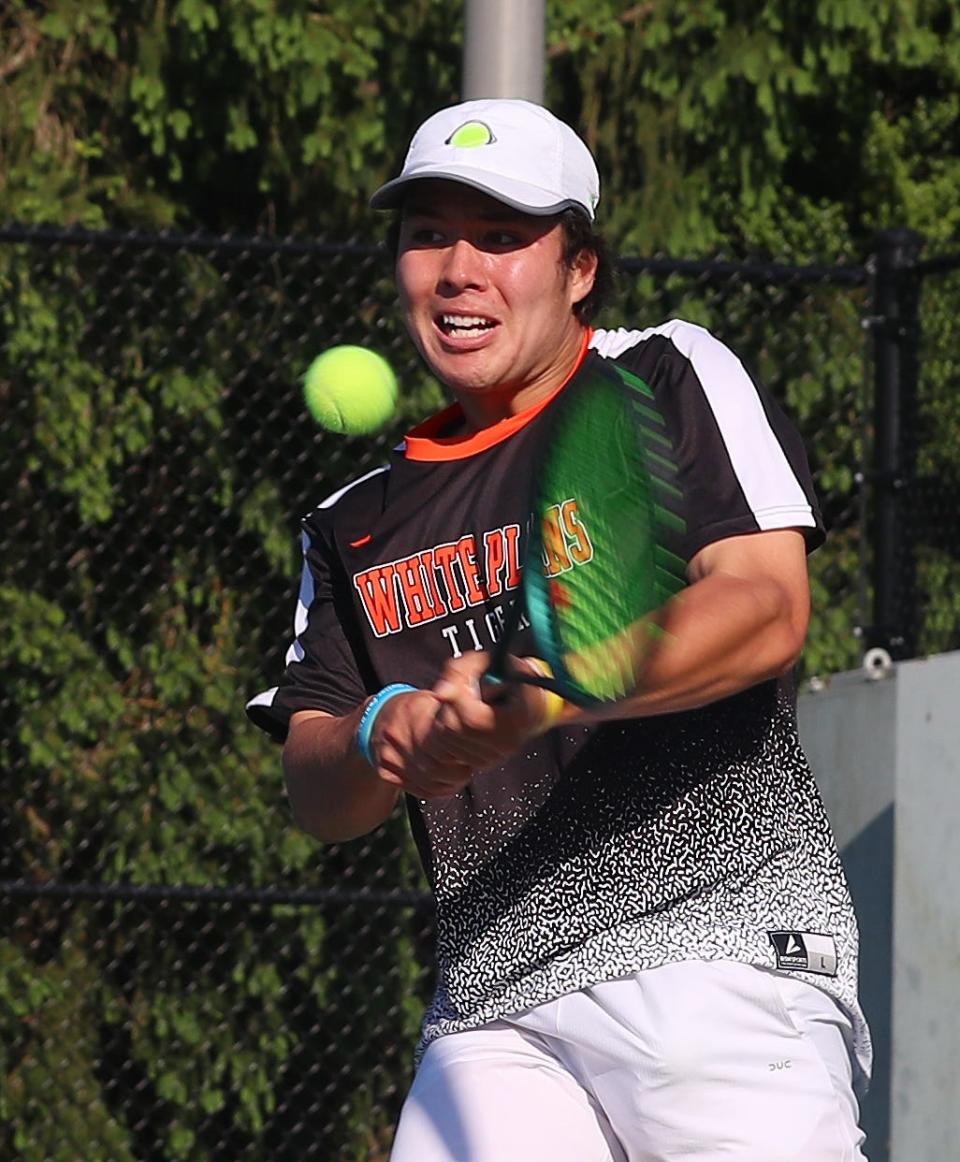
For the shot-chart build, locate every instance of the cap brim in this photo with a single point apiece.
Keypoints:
(518, 195)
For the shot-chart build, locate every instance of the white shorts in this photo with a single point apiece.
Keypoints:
(696, 1060)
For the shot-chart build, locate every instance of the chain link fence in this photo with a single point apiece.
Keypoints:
(182, 975)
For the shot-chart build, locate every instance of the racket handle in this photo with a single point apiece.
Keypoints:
(496, 689)
(555, 703)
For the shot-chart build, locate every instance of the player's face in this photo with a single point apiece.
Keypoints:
(488, 298)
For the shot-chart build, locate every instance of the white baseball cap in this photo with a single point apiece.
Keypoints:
(516, 151)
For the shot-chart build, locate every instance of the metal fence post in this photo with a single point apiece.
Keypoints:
(895, 326)
(503, 51)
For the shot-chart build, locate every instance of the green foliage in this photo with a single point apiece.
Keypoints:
(244, 116)
(154, 457)
(762, 128)
(748, 127)
(135, 597)
(55, 1050)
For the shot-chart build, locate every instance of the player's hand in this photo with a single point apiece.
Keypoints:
(409, 755)
(481, 724)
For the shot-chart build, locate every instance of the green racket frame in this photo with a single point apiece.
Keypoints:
(606, 509)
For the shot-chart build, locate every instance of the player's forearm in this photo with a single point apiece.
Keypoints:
(334, 793)
(720, 636)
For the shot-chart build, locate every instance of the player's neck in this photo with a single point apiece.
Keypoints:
(483, 409)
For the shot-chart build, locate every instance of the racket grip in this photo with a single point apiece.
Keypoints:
(555, 705)
(496, 688)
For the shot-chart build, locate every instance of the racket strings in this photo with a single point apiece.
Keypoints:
(609, 472)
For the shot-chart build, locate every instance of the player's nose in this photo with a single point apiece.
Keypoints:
(463, 266)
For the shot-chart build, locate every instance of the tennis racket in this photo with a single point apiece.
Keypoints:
(602, 549)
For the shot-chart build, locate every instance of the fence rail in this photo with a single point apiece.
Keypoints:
(182, 975)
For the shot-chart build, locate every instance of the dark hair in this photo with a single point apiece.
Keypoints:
(579, 234)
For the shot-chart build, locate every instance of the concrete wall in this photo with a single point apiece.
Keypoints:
(885, 746)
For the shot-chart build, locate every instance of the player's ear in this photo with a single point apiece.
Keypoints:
(583, 274)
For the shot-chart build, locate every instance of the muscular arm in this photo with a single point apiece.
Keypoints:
(742, 619)
(334, 792)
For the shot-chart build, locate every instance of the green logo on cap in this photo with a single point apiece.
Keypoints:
(470, 135)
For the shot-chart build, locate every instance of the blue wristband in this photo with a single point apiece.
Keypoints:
(369, 716)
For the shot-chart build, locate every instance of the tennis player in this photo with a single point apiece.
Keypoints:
(646, 947)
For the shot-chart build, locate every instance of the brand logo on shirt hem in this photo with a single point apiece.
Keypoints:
(805, 952)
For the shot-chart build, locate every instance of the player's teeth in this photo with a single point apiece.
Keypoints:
(465, 323)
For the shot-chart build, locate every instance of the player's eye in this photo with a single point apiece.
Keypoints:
(502, 239)
(425, 236)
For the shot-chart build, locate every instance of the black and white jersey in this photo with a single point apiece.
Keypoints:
(601, 850)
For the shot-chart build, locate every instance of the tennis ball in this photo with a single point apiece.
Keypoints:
(350, 390)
